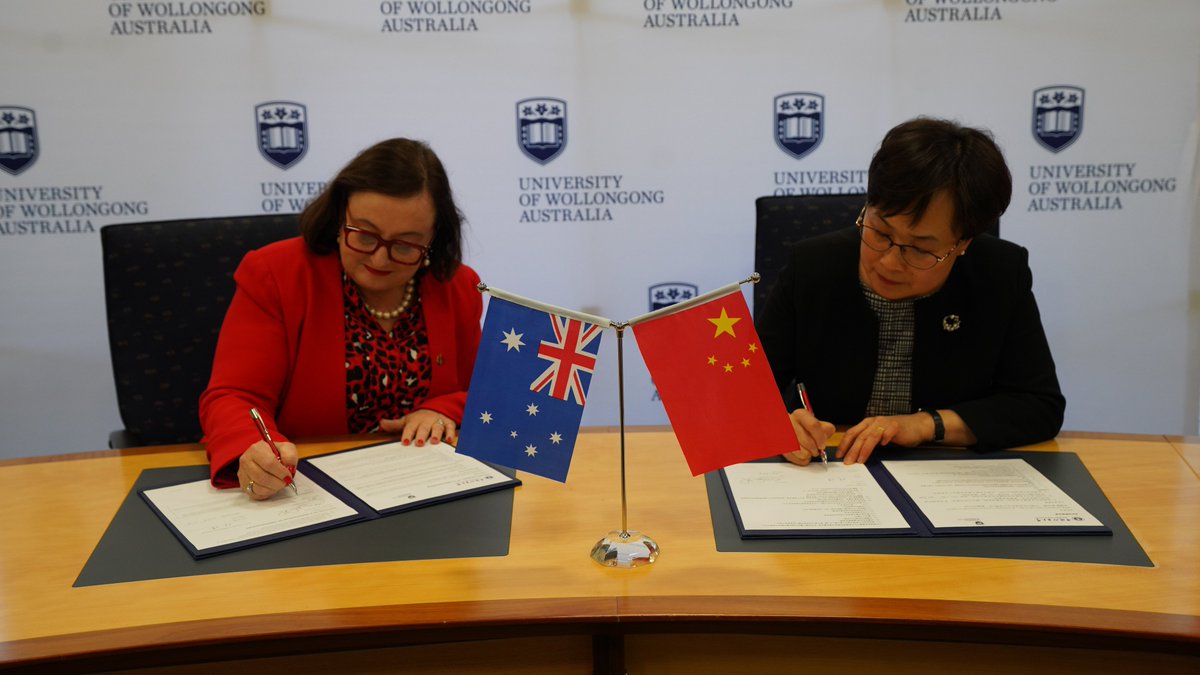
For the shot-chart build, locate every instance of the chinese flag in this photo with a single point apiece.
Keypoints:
(716, 384)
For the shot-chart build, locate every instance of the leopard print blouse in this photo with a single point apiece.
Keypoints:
(387, 373)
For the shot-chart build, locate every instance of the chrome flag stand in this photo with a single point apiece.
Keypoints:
(619, 548)
(622, 548)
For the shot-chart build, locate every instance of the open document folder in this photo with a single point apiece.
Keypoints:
(335, 489)
(920, 497)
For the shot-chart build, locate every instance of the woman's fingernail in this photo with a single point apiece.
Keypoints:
(420, 443)
(404, 442)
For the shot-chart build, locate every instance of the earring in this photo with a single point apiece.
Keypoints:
(427, 262)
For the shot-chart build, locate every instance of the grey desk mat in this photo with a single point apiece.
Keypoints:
(1063, 468)
(138, 546)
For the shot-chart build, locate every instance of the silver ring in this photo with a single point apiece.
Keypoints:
(440, 421)
(250, 488)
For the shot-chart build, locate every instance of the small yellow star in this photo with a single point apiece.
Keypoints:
(746, 363)
(728, 368)
(753, 347)
(712, 360)
(724, 323)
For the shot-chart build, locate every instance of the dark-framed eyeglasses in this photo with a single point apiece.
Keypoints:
(913, 256)
(398, 250)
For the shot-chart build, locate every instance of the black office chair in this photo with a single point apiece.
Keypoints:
(783, 221)
(167, 285)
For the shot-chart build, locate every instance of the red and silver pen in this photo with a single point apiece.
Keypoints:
(808, 406)
(266, 436)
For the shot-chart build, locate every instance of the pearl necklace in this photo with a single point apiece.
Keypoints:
(404, 304)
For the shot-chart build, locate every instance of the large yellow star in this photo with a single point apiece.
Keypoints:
(724, 323)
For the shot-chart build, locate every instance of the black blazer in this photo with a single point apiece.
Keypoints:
(995, 370)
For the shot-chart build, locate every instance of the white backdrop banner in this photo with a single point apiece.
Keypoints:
(607, 154)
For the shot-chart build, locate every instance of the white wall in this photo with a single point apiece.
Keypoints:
(162, 125)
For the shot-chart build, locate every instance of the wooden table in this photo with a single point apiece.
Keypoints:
(546, 607)
(1189, 448)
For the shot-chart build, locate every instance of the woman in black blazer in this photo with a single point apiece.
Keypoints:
(914, 326)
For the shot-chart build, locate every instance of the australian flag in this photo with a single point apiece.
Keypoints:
(528, 390)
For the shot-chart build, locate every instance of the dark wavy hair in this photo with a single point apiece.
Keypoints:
(924, 156)
(397, 167)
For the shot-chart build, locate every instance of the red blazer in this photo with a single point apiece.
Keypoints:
(282, 346)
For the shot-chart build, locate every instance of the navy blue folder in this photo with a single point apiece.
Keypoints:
(918, 524)
(363, 512)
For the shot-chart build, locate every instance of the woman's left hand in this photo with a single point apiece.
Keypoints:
(860, 440)
(421, 425)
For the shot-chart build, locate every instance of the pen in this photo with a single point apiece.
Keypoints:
(808, 406)
(266, 436)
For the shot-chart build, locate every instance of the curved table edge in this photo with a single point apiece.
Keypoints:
(394, 625)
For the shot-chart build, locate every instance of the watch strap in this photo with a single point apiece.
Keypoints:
(939, 427)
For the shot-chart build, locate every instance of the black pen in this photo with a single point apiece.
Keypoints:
(262, 431)
(804, 402)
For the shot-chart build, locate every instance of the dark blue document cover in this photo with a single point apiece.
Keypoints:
(360, 510)
(918, 523)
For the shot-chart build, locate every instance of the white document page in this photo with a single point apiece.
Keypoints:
(784, 496)
(385, 476)
(987, 493)
(208, 517)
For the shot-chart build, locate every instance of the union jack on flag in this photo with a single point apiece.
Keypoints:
(521, 411)
(567, 352)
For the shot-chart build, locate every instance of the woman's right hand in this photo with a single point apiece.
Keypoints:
(261, 474)
(812, 434)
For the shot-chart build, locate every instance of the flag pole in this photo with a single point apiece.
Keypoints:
(623, 548)
(621, 421)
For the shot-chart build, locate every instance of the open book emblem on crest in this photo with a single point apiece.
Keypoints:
(799, 122)
(1057, 116)
(282, 132)
(542, 128)
(18, 139)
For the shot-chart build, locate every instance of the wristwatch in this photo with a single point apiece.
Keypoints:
(939, 427)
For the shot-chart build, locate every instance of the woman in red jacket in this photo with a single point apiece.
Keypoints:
(368, 322)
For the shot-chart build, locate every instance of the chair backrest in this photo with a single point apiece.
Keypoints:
(782, 221)
(167, 286)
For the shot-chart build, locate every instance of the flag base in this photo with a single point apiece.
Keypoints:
(625, 549)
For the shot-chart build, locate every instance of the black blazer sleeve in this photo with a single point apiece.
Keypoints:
(996, 370)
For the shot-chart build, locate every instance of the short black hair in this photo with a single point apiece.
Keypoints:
(924, 156)
(397, 167)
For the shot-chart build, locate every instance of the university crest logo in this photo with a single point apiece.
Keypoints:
(667, 294)
(799, 122)
(18, 139)
(542, 128)
(282, 132)
(1057, 116)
